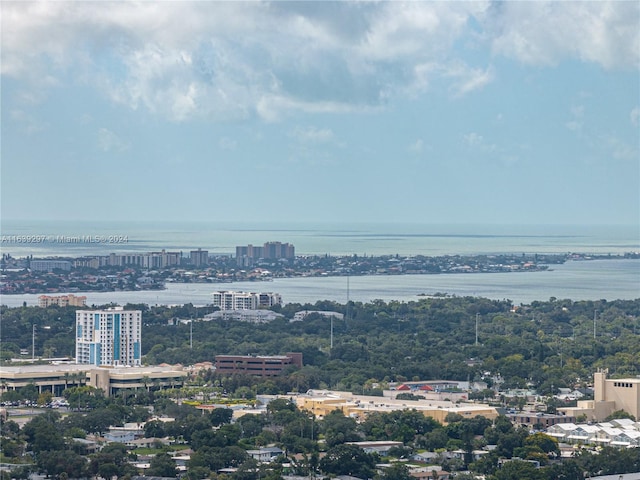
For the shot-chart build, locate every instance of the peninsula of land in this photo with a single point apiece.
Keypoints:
(150, 271)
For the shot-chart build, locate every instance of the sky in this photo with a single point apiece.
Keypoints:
(420, 112)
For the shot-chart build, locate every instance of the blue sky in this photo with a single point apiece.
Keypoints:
(420, 112)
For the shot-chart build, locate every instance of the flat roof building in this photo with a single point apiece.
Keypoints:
(199, 258)
(49, 265)
(229, 300)
(322, 402)
(70, 300)
(247, 255)
(610, 395)
(262, 366)
(56, 378)
(109, 337)
(250, 316)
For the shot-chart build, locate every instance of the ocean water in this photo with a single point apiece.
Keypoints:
(221, 238)
(576, 280)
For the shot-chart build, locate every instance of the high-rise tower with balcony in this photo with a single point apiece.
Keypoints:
(110, 337)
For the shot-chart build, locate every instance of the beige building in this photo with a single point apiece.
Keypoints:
(55, 378)
(610, 395)
(320, 403)
(70, 300)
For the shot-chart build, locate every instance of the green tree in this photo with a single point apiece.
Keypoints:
(338, 429)
(220, 416)
(348, 459)
(519, 470)
(162, 465)
(397, 471)
(42, 433)
(59, 463)
(618, 414)
(544, 442)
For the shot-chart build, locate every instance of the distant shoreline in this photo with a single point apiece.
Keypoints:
(24, 282)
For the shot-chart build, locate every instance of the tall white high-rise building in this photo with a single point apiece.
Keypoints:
(108, 337)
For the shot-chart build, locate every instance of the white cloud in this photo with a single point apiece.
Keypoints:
(546, 32)
(617, 148)
(473, 139)
(236, 59)
(110, 142)
(272, 107)
(577, 118)
(468, 79)
(634, 116)
(477, 142)
(226, 143)
(29, 123)
(313, 135)
(416, 147)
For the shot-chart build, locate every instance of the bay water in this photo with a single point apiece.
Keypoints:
(608, 279)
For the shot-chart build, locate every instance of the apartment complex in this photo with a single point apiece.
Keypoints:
(262, 366)
(247, 255)
(49, 265)
(109, 337)
(70, 300)
(162, 259)
(249, 316)
(199, 258)
(228, 300)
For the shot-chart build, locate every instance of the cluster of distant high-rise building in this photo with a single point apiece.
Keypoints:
(247, 255)
(162, 259)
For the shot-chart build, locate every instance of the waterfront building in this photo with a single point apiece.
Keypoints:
(247, 255)
(49, 265)
(109, 337)
(91, 262)
(199, 258)
(262, 366)
(70, 300)
(229, 300)
(150, 260)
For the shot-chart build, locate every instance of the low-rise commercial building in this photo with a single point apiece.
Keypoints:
(262, 366)
(56, 378)
(323, 402)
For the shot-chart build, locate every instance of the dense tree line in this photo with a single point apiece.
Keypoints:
(550, 344)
